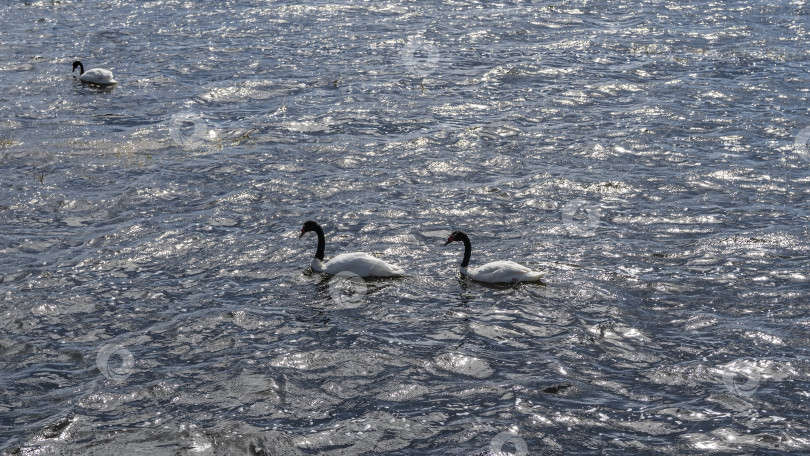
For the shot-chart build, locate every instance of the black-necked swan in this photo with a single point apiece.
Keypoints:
(98, 76)
(496, 271)
(361, 264)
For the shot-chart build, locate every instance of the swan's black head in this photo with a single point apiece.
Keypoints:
(456, 236)
(309, 226)
(79, 65)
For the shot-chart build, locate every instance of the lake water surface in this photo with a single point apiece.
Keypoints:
(652, 157)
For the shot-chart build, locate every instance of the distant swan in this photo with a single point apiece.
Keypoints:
(361, 264)
(495, 272)
(97, 76)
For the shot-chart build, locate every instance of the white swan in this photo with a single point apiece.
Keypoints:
(361, 264)
(496, 271)
(98, 76)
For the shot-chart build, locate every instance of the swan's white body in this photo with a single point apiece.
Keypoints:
(496, 271)
(98, 76)
(359, 263)
(502, 272)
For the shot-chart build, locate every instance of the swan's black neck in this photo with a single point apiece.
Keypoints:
(81, 67)
(467, 247)
(321, 243)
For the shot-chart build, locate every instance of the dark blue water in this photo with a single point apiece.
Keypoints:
(651, 157)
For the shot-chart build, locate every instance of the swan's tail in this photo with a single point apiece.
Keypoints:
(533, 276)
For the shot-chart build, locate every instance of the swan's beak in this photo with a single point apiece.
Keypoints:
(302, 233)
(449, 240)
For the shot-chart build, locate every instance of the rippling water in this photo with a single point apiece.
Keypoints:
(651, 157)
